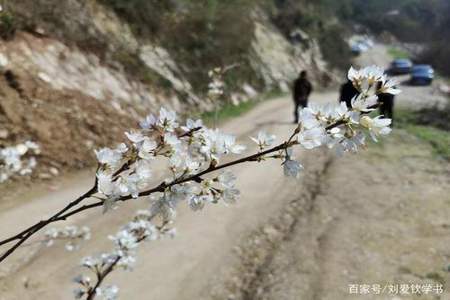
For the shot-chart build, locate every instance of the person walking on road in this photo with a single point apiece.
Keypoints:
(301, 91)
(348, 92)
(386, 104)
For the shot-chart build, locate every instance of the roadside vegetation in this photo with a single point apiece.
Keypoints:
(430, 125)
(229, 110)
(201, 35)
(213, 32)
(396, 53)
(199, 23)
(423, 22)
(320, 20)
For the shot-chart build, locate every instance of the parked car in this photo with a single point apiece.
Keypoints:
(400, 66)
(422, 74)
(360, 44)
(367, 42)
(357, 48)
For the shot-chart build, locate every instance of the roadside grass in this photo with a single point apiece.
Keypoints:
(439, 139)
(396, 53)
(228, 110)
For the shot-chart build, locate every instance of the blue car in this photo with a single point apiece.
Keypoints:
(400, 66)
(422, 75)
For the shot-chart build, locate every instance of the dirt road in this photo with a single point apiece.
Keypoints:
(169, 269)
(378, 218)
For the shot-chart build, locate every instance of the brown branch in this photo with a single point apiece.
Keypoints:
(66, 212)
(163, 186)
(190, 132)
(27, 233)
(92, 191)
(92, 292)
(255, 157)
(100, 277)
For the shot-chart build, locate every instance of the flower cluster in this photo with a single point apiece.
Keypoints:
(343, 128)
(122, 256)
(193, 155)
(188, 149)
(216, 85)
(18, 159)
(71, 234)
(367, 78)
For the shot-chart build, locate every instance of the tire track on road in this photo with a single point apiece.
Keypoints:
(251, 276)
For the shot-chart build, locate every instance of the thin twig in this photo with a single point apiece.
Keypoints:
(27, 233)
(100, 277)
(92, 292)
(66, 212)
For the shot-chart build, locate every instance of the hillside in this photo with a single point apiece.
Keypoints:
(76, 74)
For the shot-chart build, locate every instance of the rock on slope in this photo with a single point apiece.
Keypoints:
(66, 83)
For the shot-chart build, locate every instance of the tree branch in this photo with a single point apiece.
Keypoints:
(100, 277)
(66, 212)
(27, 233)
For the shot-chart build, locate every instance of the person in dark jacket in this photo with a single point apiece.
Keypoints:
(302, 90)
(347, 93)
(386, 103)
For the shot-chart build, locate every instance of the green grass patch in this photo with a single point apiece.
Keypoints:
(439, 139)
(396, 53)
(228, 111)
(8, 25)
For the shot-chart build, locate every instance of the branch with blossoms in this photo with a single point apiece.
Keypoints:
(18, 159)
(193, 155)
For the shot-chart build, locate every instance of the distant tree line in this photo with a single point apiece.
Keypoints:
(418, 21)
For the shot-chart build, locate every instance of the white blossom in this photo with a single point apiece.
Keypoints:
(362, 103)
(18, 159)
(377, 126)
(292, 168)
(311, 138)
(135, 136)
(388, 86)
(109, 157)
(365, 79)
(308, 118)
(167, 119)
(264, 140)
(105, 184)
(149, 122)
(108, 293)
(191, 161)
(216, 85)
(146, 148)
(124, 240)
(230, 195)
(196, 202)
(334, 137)
(227, 179)
(71, 234)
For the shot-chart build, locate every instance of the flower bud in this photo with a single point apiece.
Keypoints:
(366, 121)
